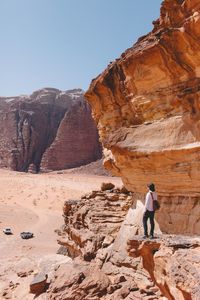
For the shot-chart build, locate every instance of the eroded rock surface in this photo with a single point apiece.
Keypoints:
(97, 229)
(93, 221)
(47, 130)
(147, 106)
(173, 263)
(111, 260)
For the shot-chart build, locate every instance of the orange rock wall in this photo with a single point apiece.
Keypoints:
(147, 106)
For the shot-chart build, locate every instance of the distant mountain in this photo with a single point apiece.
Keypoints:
(48, 130)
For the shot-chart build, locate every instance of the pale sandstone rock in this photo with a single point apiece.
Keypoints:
(126, 266)
(172, 262)
(96, 233)
(93, 222)
(78, 282)
(146, 104)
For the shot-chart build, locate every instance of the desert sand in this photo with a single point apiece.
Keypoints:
(33, 202)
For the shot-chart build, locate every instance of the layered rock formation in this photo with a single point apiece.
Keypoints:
(173, 264)
(47, 130)
(146, 104)
(111, 260)
(94, 221)
(97, 228)
(147, 108)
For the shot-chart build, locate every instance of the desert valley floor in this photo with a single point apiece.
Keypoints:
(33, 202)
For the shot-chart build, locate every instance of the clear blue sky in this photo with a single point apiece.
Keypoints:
(66, 43)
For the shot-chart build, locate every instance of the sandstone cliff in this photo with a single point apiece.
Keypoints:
(47, 130)
(147, 106)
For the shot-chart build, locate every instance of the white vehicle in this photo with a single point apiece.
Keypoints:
(7, 231)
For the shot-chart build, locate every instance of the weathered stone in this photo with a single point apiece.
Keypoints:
(172, 262)
(107, 241)
(79, 282)
(39, 284)
(104, 248)
(124, 190)
(24, 274)
(92, 223)
(113, 197)
(68, 205)
(107, 186)
(62, 250)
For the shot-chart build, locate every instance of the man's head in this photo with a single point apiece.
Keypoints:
(151, 187)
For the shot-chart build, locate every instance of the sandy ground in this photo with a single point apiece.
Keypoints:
(33, 202)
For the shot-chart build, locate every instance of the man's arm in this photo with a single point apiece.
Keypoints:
(146, 202)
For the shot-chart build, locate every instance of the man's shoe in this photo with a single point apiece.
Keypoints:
(145, 237)
(151, 237)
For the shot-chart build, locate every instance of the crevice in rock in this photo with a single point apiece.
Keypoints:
(186, 295)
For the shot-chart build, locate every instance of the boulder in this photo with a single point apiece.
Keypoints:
(39, 284)
(107, 186)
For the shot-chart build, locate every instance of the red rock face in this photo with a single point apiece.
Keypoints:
(76, 142)
(50, 126)
(147, 106)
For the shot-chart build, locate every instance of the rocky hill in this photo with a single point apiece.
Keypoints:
(147, 106)
(48, 130)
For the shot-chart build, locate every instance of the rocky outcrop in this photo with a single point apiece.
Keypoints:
(111, 260)
(97, 229)
(94, 221)
(47, 130)
(146, 104)
(173, 264)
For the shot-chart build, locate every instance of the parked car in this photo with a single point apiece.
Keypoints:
(7, 231)
(26, 235)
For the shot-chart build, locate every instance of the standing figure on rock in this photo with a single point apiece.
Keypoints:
(149, 210)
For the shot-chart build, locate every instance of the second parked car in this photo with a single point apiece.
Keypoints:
(26, 235)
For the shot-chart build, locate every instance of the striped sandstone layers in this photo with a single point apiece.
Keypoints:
(147, 107)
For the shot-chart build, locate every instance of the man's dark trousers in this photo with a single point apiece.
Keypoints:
(148, 215)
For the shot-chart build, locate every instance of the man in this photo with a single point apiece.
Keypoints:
(149, 211)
